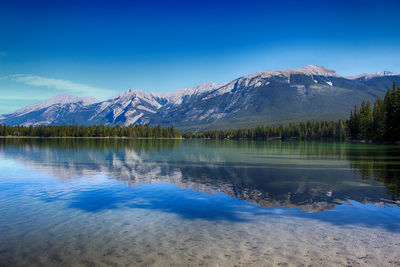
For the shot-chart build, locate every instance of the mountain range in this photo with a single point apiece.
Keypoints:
(267, 97)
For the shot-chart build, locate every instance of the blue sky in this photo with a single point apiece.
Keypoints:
(101, 48)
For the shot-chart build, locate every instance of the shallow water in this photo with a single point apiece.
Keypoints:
(192, 202)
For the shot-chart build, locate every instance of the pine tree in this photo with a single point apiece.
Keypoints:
(378, 127)
(366, 121)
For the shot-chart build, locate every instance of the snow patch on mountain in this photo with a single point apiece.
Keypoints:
(176, 97)
(130, 121)
(315, 70)
(368, 76)
(386, 73)
(307, 70)
(145, 109)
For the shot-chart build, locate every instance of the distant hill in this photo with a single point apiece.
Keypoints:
(266, 97)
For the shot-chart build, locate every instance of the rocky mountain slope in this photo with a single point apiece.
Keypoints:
(266, 97)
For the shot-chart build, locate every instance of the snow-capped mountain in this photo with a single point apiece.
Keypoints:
(367, 76)
(277, 96)
(176, 98)
(62, 99)
(46, 112)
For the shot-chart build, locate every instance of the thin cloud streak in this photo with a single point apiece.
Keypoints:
(20, 97)
(59, 85)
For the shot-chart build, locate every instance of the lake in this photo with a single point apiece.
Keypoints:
(89, 202)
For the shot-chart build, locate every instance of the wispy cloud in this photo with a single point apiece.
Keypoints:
(20, 97)
(60, 85)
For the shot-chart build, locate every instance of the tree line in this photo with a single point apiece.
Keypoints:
(134, 131)
(311, 130)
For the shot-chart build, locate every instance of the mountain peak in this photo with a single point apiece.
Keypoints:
(58, 99)
(315, 70)
(386, 73)
(367, 76)
(61, 98)
(130, 92)
(194, 90)
(307, 70)
(67, 98)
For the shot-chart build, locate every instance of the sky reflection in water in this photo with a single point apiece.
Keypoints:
(235, 182)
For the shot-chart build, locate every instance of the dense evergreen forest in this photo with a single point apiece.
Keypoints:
(380, 122)
(311, 130)
(136, 131)
(304, 131)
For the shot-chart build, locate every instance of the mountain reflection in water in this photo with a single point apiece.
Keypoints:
(314, 176)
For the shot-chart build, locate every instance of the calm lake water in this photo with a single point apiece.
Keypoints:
(78, 202)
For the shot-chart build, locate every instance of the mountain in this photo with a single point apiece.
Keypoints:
(367, 76)
(47, 112)
(266, 97)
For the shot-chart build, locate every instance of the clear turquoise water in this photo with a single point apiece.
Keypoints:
(218, 203)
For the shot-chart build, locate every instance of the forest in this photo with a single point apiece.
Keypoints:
(380, 122)
(134, 131)
(311, 130)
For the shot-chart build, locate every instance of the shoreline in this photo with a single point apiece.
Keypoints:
(181, 138)
(87, 137)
